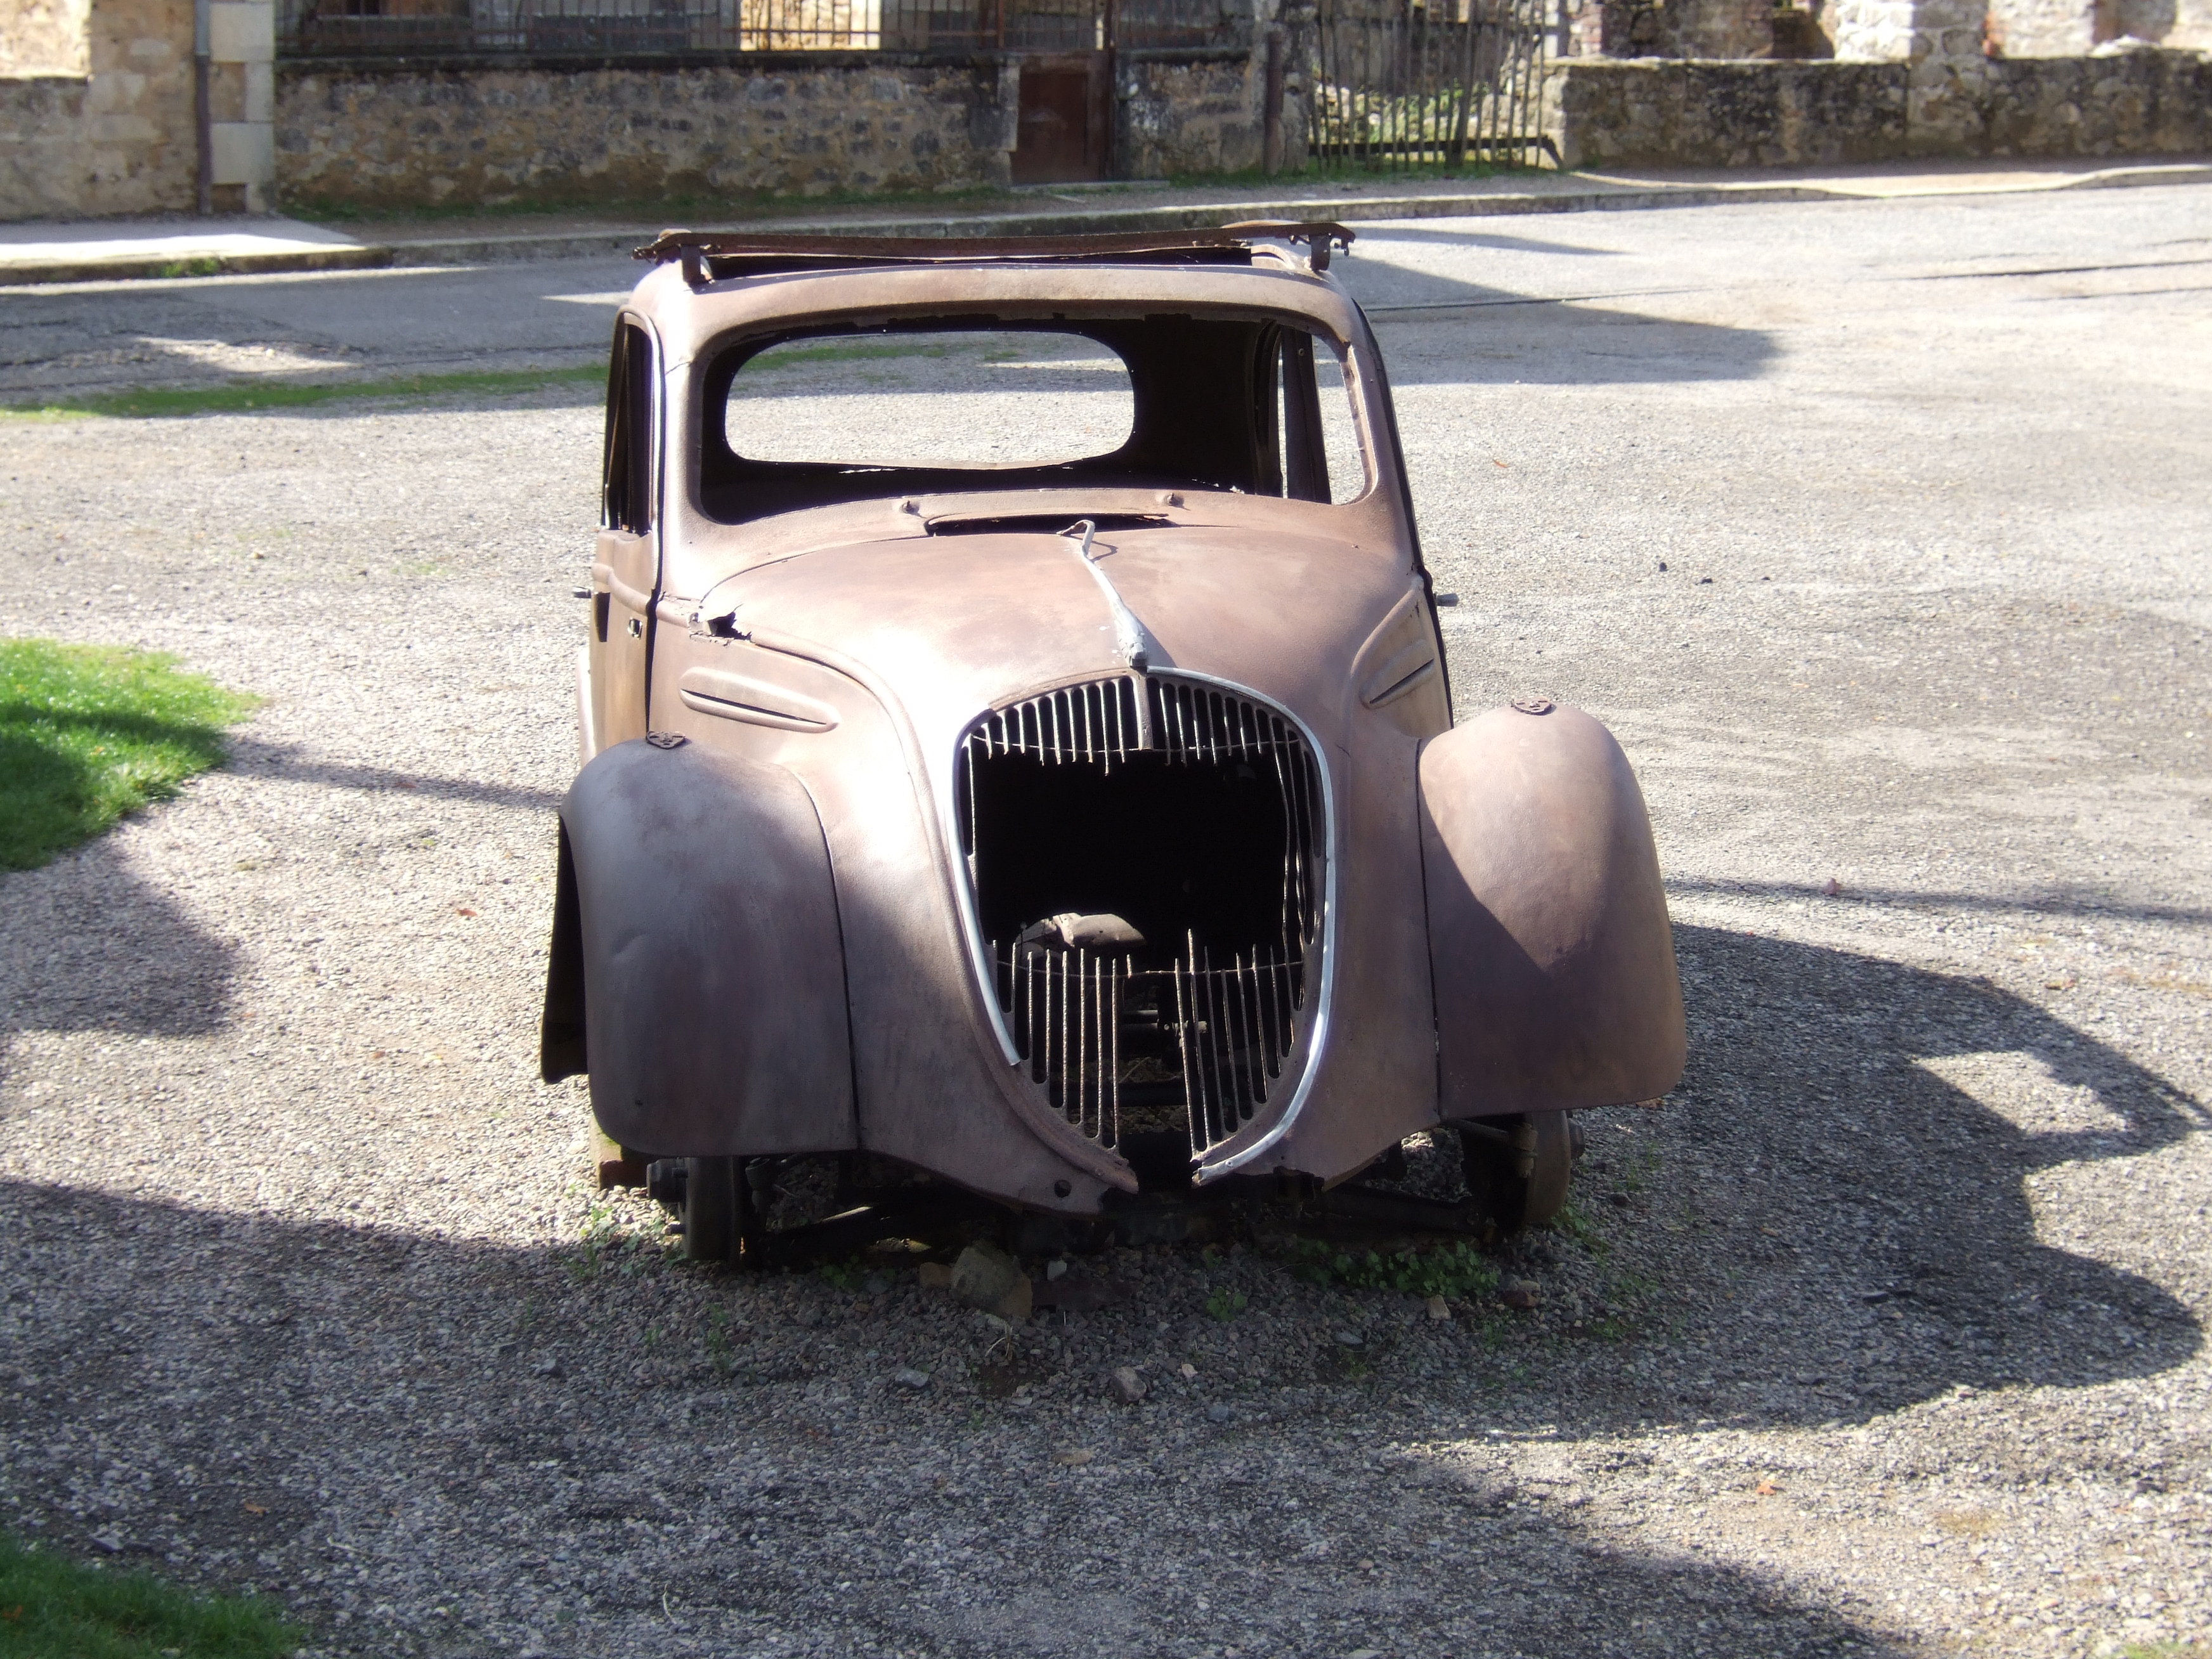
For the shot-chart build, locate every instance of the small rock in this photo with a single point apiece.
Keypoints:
(1187, 1370)
(1125, 1386)
(547, 1364)
(1439, 1309)
(1217, 1413)
(1350, 1338)
(934, 1276)
(985, 1276)
(1053, 1270)
(1520, 1293)
(911, 1378)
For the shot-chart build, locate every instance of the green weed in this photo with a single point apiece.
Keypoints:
(1224, 1305)
(720, 1354)
(88, 733)
(842, 1275)
(54, 1608)
(1575, 1226)
(1456, 1270)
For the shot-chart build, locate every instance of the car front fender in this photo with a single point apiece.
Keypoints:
(1551, 955)
(697, 967)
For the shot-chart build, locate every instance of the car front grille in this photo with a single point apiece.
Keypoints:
(1193, 813)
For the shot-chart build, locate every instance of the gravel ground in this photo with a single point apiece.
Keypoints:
(1884, 1335)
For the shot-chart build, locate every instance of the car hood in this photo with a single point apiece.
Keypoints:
(951, 626)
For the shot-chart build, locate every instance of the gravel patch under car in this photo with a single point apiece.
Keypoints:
(1884, 1335)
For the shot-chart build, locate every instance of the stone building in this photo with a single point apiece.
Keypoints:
(401, 103)
(111, 106)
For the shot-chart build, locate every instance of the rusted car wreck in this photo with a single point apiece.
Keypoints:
(1085, 835)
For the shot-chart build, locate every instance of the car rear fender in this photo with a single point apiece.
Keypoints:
(1552, 958)
(697, 967)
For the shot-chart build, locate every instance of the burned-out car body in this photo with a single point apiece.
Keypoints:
(1072, 829)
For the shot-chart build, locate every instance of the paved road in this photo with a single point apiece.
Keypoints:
(1878, 532)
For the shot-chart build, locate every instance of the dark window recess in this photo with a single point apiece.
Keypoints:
(1219, 404)
(626, 500)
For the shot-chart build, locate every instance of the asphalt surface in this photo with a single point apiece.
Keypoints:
(1878, 533)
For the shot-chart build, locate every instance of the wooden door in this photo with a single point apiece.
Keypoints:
(1066, 131)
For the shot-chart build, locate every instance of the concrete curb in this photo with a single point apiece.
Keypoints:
(431, 252)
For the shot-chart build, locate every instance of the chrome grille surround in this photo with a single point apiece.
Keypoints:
(1248, 1016)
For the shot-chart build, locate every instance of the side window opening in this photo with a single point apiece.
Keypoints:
(626, 500)
(1321, 459)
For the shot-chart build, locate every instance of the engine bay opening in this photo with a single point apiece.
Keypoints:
(1145, 856)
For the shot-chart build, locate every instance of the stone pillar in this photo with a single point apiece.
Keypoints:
(994, 120)
(242, 95)
(1942, 45)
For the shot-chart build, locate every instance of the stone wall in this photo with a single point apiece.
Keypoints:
(1659, 113)
(116, 136)
(45, 37)
(1192, 112)
(398, 134)
(1656, 111)
(2071, 28)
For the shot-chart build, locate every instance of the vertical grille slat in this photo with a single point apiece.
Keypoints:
(1232, 1028)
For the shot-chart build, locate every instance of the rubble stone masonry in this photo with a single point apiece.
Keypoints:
(1655, 112)
(400, 135)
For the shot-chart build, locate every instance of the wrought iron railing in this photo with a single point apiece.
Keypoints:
(1398, 84)
(659, 28)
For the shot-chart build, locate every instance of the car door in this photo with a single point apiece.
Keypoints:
(625, 564)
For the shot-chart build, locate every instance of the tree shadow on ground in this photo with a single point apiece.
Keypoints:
(676, 1460)
(91, 947)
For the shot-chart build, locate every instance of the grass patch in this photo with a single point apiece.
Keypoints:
(1455, 1271)
(88, 733)
(52, 1608)
(235, 396)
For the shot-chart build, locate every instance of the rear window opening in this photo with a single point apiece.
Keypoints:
(942, 404)
(987, 399)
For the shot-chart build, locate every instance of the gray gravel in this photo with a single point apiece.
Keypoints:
(1884, 1335)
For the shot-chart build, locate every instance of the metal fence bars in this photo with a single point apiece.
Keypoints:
(350, 28)
(1400, 84)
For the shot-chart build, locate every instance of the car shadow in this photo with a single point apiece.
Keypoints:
(1844, 1171)
(261, 1405)
(1832, 1204)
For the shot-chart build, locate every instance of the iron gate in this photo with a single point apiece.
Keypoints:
(1405, 84)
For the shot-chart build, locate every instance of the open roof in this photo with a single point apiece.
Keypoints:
(708, 256)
